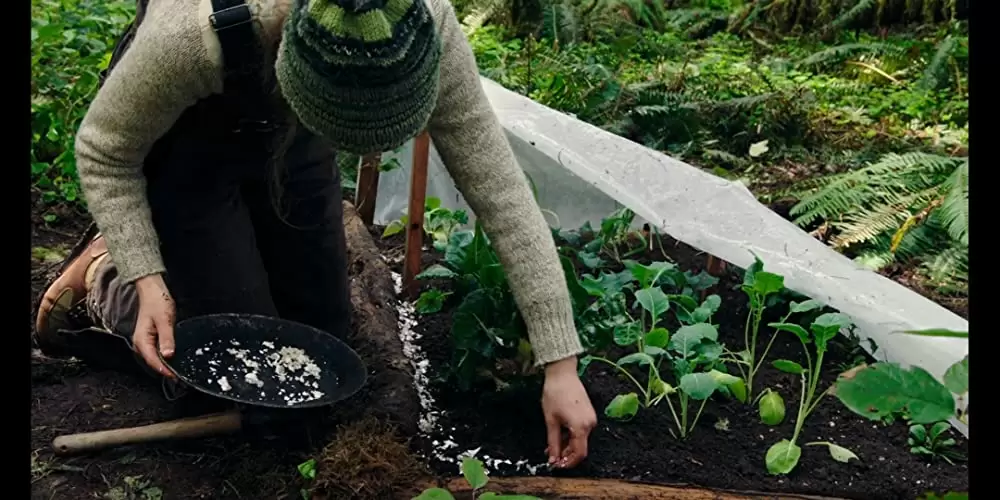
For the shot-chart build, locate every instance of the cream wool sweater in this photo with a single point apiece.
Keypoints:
(175, 60)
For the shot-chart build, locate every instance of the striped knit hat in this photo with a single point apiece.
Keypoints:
(362, 73)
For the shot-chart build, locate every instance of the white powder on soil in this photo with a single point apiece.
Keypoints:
(297, 374)
(444, 450)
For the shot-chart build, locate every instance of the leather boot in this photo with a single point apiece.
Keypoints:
(63, 306)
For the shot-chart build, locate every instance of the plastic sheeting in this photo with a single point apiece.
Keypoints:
(583, 173)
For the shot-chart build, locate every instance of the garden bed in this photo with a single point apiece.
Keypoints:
(726, 450)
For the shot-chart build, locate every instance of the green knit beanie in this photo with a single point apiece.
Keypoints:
(361, 73)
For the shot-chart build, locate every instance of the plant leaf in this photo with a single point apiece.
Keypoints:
(782, 457)
(654, 301)
(641, 358)
(474, 472)
(885, 389)
(435, 494)
(627, 334)
(699, 386)
(788, 366)
(688, 337)
(956, 378)
(723, 378)
(394, 227)
(771, 408)
(623, 406)
(758, 148)
(804, 306)
(658, 337)
(766, 283)
(436, 271)
(939, 332)
(739, 390)
(799, 332)
(838, 453)
(826, 327)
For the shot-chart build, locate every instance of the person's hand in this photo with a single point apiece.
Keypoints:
(154, 327)
(566, 405)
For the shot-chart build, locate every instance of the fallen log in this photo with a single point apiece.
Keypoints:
(559, 488)
(376, 338)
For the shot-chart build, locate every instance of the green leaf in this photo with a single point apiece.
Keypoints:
(654, 301)
(938, 429)
(661, 387)
(708, 352)
(886, 389)
(307, 469)
(590, 259)
(646, 275)
(699, 386)
(826, 327)
(394, 227)
(623, 406)
(578, 294)
(739, 390)
(712, 303)
(436, 271)
(723, 378)
(838, 453)
(956, 378)
(799, 332)
(766, 283)
(474, 472)
(689, 336)
(431, 301)
(939, 332)
(782, 457)
(804, 306)
(435, 494)
(627, 334)
(751, 272)
(918, 432)
(788, 366)
(583, 364)
(641, 358)
(685, 301)
(654, 351)
(771, 408)
(658, 337)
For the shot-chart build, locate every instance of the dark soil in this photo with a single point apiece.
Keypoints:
(510, 425)
(68, 396)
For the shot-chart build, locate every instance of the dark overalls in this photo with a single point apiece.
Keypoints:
(228, 247)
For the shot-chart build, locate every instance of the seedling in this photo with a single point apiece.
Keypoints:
(693, 352)
(933, 442)
(759, 286)
(431, 301)
(783, 456)
(307, 470)
(474, 473)
(439, 223)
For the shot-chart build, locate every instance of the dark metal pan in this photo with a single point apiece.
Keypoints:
(246, 351)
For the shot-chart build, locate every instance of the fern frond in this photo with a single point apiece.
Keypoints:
(865, 224)
(954, 211)
(839, 53)
(936, 72)
(852, 14)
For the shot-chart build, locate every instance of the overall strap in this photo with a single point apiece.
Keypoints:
(242, 54)
(125, 40)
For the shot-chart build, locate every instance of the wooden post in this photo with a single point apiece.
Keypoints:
(364, 196)
(415, 214)
(715, 267)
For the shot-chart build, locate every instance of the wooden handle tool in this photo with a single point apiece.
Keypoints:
(203, 426)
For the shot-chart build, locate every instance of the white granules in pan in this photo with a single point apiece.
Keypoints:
(296, 375)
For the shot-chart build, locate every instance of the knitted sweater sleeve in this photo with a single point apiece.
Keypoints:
(165, 70)
(474, 149)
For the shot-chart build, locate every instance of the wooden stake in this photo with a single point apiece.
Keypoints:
(415, 214)
(715, 267)
(364, 196)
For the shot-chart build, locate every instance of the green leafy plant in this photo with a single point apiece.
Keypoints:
(693, 353)
(592, 247)
(488, 333)
(885, 390)
(933, 442)
(439, 223)
(474, 473)
(307, 470)
(783, 456)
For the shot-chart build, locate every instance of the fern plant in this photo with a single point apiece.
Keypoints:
(909, 207)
